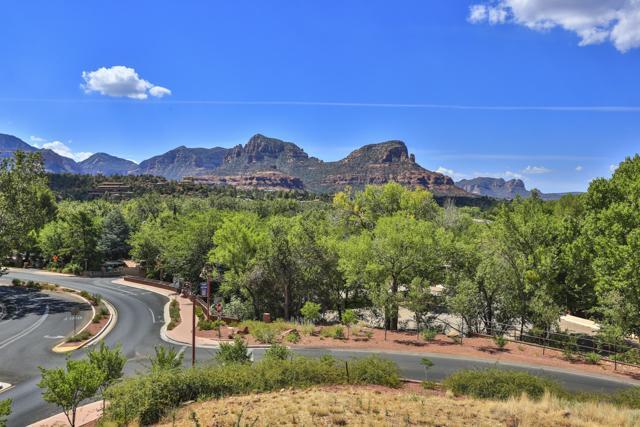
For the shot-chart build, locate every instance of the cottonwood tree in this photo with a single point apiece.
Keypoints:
(397, 250)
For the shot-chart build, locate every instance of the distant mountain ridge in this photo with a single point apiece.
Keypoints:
(499, 188)
(265, 162)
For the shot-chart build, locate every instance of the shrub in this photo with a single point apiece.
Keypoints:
(199, 313)
(629, 397)
(293, 338)
(429, 385)
(17, 282)
(310, 311)
(235, 352)
(306, 329)
(278, 351)
(33, 285)
(82, 336)
(500, 341)
(429, 334)
(239, 309)
(145, 399)
(374, 370)
(104, 311)
(335, 331)
(96, 299)
(72, 268)
(97, 318)
(499, 384)
(205, 325)
(174, 314)
(166, 359)
(592, 358)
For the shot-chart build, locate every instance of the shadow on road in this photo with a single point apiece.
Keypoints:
(20, 302)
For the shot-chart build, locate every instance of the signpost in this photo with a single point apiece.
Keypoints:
(74, 313)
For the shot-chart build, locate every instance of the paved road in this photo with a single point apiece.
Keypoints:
(140, 317)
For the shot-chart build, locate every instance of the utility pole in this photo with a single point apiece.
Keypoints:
(193, 328)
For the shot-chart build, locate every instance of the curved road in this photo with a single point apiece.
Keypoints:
(140, 318)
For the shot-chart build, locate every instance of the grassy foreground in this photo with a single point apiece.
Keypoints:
(379, 406)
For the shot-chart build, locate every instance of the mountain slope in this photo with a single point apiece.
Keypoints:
(500, 189)
(183, 161)
(106, 164)
(371, 164)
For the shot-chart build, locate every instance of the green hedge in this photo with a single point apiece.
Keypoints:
(499, 384)
(147, 398)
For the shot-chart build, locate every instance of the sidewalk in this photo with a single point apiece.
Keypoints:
(84, 415)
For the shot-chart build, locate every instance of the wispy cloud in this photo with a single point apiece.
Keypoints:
(579, 168)
(340, 104)
(535, 170)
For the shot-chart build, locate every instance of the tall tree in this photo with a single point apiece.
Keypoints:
(398, 250)
(26, 203)
(113, 241)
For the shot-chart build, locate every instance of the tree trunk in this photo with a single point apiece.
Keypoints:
(393, 315)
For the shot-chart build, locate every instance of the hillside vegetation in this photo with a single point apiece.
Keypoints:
(379, 406)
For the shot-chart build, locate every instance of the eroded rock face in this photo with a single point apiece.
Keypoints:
(268, 180)
(494, 187)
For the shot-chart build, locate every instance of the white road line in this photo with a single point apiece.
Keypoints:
(27, 331)
(153, 316)
(181, 352)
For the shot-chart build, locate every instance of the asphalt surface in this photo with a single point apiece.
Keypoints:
(140, 318)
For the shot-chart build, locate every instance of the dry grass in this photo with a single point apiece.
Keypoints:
(377, 406)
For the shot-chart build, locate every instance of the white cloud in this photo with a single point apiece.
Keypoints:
(35, 140)
(120, 81)
(593, 21)
(535, 170)
(451, 173)
(612, 168)
(509, 174)
(579, 168)
(64, 150)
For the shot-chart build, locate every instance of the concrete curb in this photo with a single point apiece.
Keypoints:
(59, 348)
(5, 387)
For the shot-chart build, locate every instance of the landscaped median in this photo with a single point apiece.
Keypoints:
(103, 319)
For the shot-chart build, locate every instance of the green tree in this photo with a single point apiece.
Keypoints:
(5, 411)
(68, 388)
(396, 251)
(113, 241)
(110, 362)
(349, 318)
(26, 203)
(310, 311)
(166, 359)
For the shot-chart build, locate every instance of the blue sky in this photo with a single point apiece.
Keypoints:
(331, 76)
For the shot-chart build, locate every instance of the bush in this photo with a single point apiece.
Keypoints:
(104, 311)
(82, 336)
(174, 314)
(17, 282)
(499, 384)
(310, 311)
(206, 325)
(72, 268)
(592, 358)
(239, 309)
(96, 299)
(146, 399)
(306, 329)
(278, 351)
(500, 341)
(429, 334)
(293, 338)
(335, 332)
(199, 312)
(33, 285)
(629, 397)
(97, 318)
(374, 370)
(235, 352)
